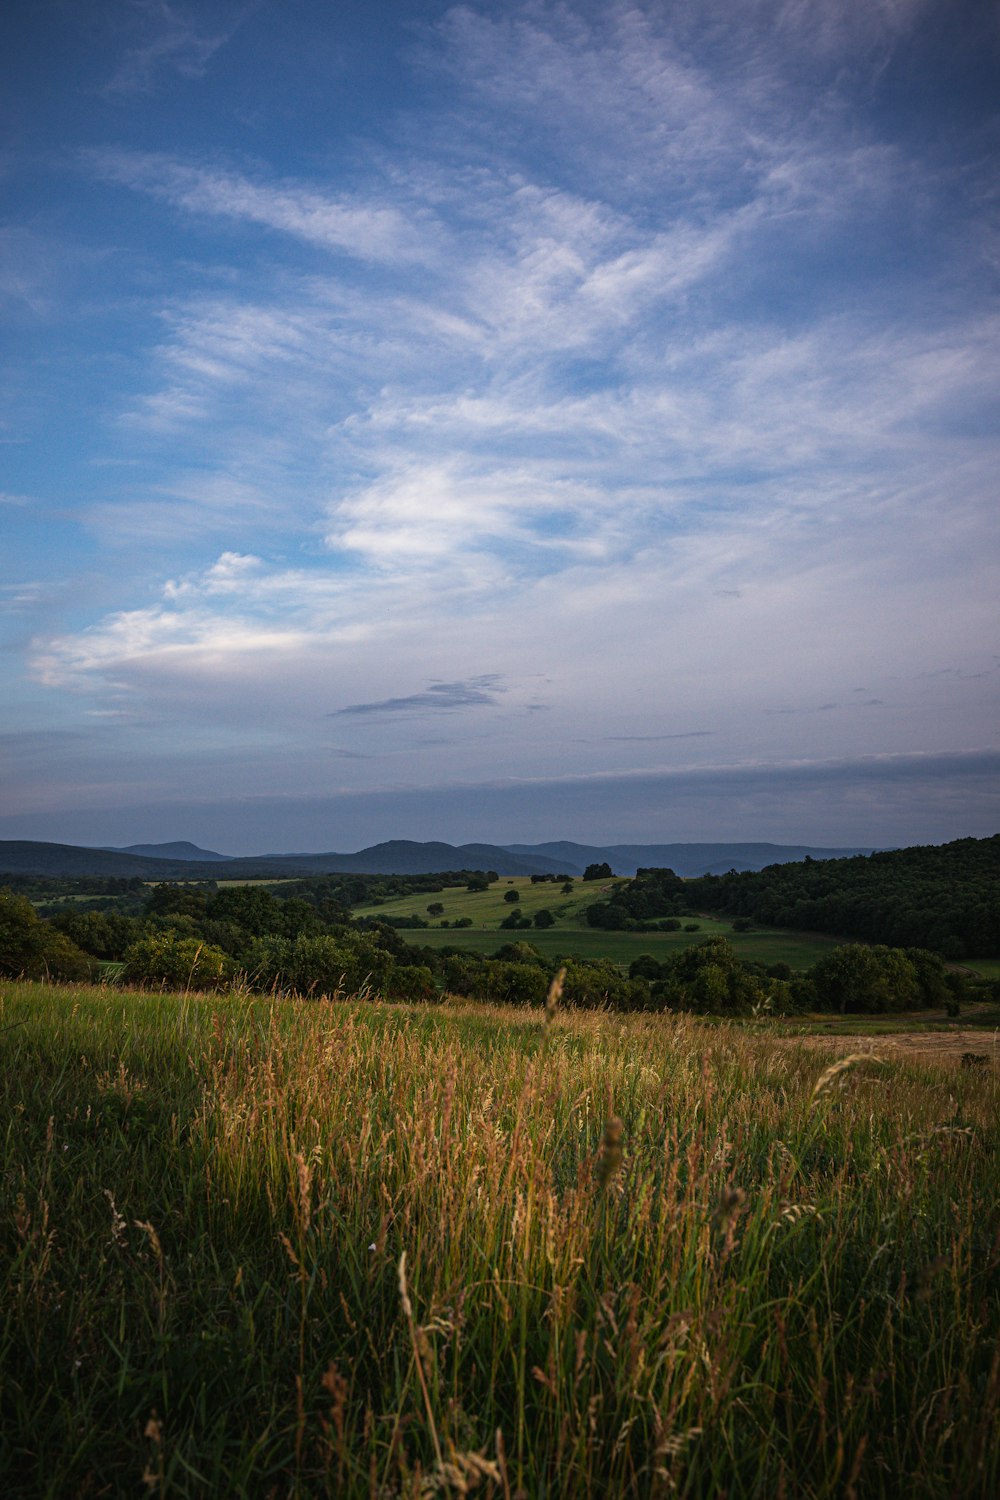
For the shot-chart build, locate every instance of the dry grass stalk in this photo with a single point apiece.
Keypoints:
(553, 996)
(404, 1297)
(833, 1077)
(610, 1159)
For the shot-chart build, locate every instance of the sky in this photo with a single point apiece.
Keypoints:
(499, 421)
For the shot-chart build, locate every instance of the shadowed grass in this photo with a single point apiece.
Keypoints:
(642, 1256)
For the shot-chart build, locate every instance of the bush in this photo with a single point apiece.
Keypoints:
(411, 982)
(352, 962)
(166, 959)
(599, 984)
(519, 953)
(511, 983)
(512, 896)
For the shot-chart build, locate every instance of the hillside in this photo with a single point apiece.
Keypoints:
(945, 897)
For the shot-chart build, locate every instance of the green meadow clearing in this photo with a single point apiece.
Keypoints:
(263, 1247)
(571, 935)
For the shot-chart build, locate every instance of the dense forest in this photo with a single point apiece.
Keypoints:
(944, 898)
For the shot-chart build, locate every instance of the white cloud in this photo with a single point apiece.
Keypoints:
(360, 227)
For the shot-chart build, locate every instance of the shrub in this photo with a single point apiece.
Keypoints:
(175, 962)
(411, 982)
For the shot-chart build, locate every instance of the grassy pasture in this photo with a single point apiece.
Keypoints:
(989, 968)
(741, 1286)
(487, 908)
(571, 935)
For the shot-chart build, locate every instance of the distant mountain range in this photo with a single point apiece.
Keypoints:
(180, 850)
(185, 861)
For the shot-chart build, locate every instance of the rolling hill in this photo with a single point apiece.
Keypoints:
(186, 861)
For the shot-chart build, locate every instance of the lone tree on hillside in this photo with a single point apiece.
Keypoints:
(598, 872)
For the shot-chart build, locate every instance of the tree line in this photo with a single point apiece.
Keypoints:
(945, 898)
(191, 937)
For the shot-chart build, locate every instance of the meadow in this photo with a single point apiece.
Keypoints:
(258, 1247)
(571, 935)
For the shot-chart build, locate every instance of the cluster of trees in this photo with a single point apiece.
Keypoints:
(42, 887)
(653, 900)
(517, 974)
(941, 897)
(519, 920)
(853, 978)
(31, 946)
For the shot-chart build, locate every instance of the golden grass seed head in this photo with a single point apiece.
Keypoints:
(610, 1157)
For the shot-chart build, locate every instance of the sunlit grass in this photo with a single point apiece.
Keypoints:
(758, 1283)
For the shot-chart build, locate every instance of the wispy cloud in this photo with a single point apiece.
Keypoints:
(653, 739)
(439, 697)
(356, 226)
(169, 39)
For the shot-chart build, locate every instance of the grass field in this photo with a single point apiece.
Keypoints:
(487, 908)
(572, 936)
(259, 1248)
(989, 968)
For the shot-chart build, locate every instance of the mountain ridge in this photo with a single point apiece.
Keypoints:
(402, 857)
(180, 849)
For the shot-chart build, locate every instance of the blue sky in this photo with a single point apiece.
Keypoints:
(508, 421)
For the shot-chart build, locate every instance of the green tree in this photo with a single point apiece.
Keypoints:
(863, 977)
(32, 947)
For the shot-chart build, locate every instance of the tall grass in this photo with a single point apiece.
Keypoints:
(256, 1247)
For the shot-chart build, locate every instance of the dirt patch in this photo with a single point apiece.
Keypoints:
(940, 1046)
